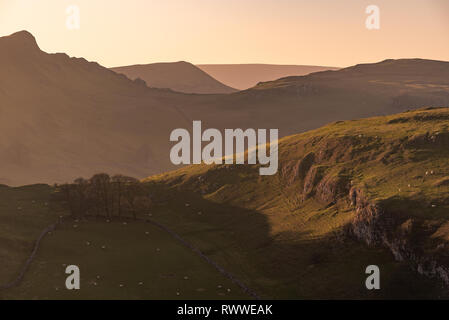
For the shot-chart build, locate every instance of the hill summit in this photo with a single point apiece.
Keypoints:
(179, 76)
(21, 39)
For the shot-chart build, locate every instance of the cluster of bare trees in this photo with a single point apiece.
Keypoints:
(106, 196)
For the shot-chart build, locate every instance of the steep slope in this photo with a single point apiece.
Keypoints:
(244, 76)
(179, 76)
(382, 182)
(62, 117)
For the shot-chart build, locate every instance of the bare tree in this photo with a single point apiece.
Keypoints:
(133, 189)
(102, 194)
(67, 196)
(101, 188)
(119, 182)
(81, 187)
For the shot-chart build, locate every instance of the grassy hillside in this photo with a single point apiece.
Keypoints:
(315, 218)
(348, 195)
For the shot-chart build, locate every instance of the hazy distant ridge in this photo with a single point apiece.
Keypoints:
(178, 76)
(244, 76)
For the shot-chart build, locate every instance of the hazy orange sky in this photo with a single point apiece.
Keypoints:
(318, 32)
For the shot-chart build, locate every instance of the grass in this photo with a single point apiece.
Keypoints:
(24, 213)
(290, 264)
(272, 230)
(139, 261)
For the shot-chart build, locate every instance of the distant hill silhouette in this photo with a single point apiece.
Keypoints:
(64, 117)
(178, 76)
(244, 76)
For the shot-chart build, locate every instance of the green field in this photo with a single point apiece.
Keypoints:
(139, 261)
(24, 213)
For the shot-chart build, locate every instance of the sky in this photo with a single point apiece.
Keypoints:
(307, 32)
